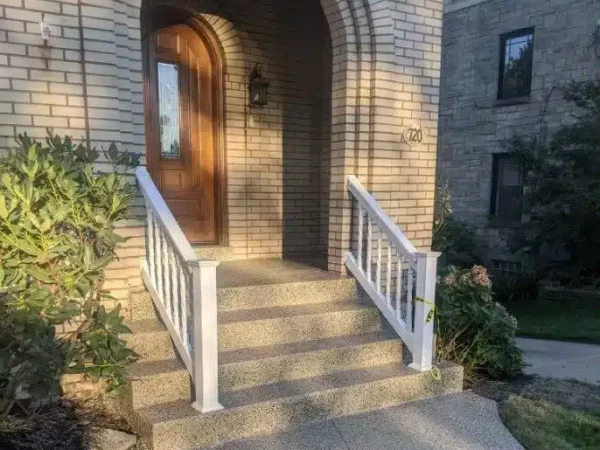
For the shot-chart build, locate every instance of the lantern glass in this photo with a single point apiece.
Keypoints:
(258, 88)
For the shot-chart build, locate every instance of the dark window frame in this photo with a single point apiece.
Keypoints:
(502, 56)
(497, 158)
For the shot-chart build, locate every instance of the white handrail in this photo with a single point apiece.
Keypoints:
(386, 224)
(183, 288)
(162, 212)
(406, 305)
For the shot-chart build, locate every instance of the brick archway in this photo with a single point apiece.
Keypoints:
(354, 50)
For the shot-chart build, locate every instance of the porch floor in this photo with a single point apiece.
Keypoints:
(259, 272)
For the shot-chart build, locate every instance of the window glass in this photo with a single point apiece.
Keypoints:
(516, 61)
(168, 109)
(507, 191)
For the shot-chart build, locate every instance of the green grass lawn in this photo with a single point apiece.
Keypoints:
(549, 320)
(546, 414)
(541, 425)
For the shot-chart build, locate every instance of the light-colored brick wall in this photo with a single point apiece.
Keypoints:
(42, 87)
(407, 172)
(338, 105)
(473, 125)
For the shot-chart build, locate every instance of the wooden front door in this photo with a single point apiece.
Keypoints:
(182, 119)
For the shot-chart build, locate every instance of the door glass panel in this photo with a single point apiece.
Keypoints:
(168, 110)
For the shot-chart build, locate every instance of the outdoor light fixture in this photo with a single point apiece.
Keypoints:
(45, 30)
(258, 87)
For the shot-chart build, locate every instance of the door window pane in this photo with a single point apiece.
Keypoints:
(516, 61)
(168, 110)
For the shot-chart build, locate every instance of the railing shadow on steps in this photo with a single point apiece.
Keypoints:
(399, 279)
(183, 288)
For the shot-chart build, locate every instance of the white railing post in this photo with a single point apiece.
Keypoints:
(206, 355)
(424, 305)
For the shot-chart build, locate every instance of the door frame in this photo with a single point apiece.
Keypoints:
(163, 16)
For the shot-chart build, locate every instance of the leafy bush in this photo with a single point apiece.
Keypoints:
(563, 193)
(473, 329)
(57, 235)
(515, 288)
(451, 236)
(31, 357)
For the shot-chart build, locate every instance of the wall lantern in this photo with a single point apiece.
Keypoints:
(258, 87)
(45, 30)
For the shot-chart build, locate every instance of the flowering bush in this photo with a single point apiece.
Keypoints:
(473, 329)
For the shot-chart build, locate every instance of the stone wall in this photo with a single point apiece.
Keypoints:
(473, 126)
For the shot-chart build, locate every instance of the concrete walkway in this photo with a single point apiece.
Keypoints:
(462, 421)
(562, 360)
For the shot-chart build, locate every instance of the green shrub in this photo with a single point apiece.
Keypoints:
(515, 288)
(57, 235)
(453, 238)
(473, 329)
(562, 180)
(32, 358)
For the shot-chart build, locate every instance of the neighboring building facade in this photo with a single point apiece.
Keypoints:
(503, 65)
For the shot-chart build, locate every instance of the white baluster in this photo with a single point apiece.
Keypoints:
(150, 256)
(388, 282)
(175, 291)
(361, 225)
(168, 294)
(409, 296)
(159, 266)
(399, 287)
(369, 247)
(184, 294)
(378, 273)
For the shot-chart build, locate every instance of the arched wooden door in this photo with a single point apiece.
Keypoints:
(183, 126)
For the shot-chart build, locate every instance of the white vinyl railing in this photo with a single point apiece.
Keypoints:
(183, 288)
(399, 279)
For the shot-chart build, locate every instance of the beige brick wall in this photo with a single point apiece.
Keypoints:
(286, 164)
(43, 87)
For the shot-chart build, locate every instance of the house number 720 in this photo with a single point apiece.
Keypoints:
(412, 135)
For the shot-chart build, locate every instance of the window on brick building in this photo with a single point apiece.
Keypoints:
(516, 62)
(507, 188)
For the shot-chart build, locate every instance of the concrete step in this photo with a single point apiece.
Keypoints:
(268, 409)
(150, 340)
(254, 297)
(155, 382)
(216, 252)
(286, 294)
(291, 324)
(264, 327)
(141, 305)
(269, 283)
(250, 367)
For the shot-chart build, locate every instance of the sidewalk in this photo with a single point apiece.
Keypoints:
(562, 360)
(462, 421)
